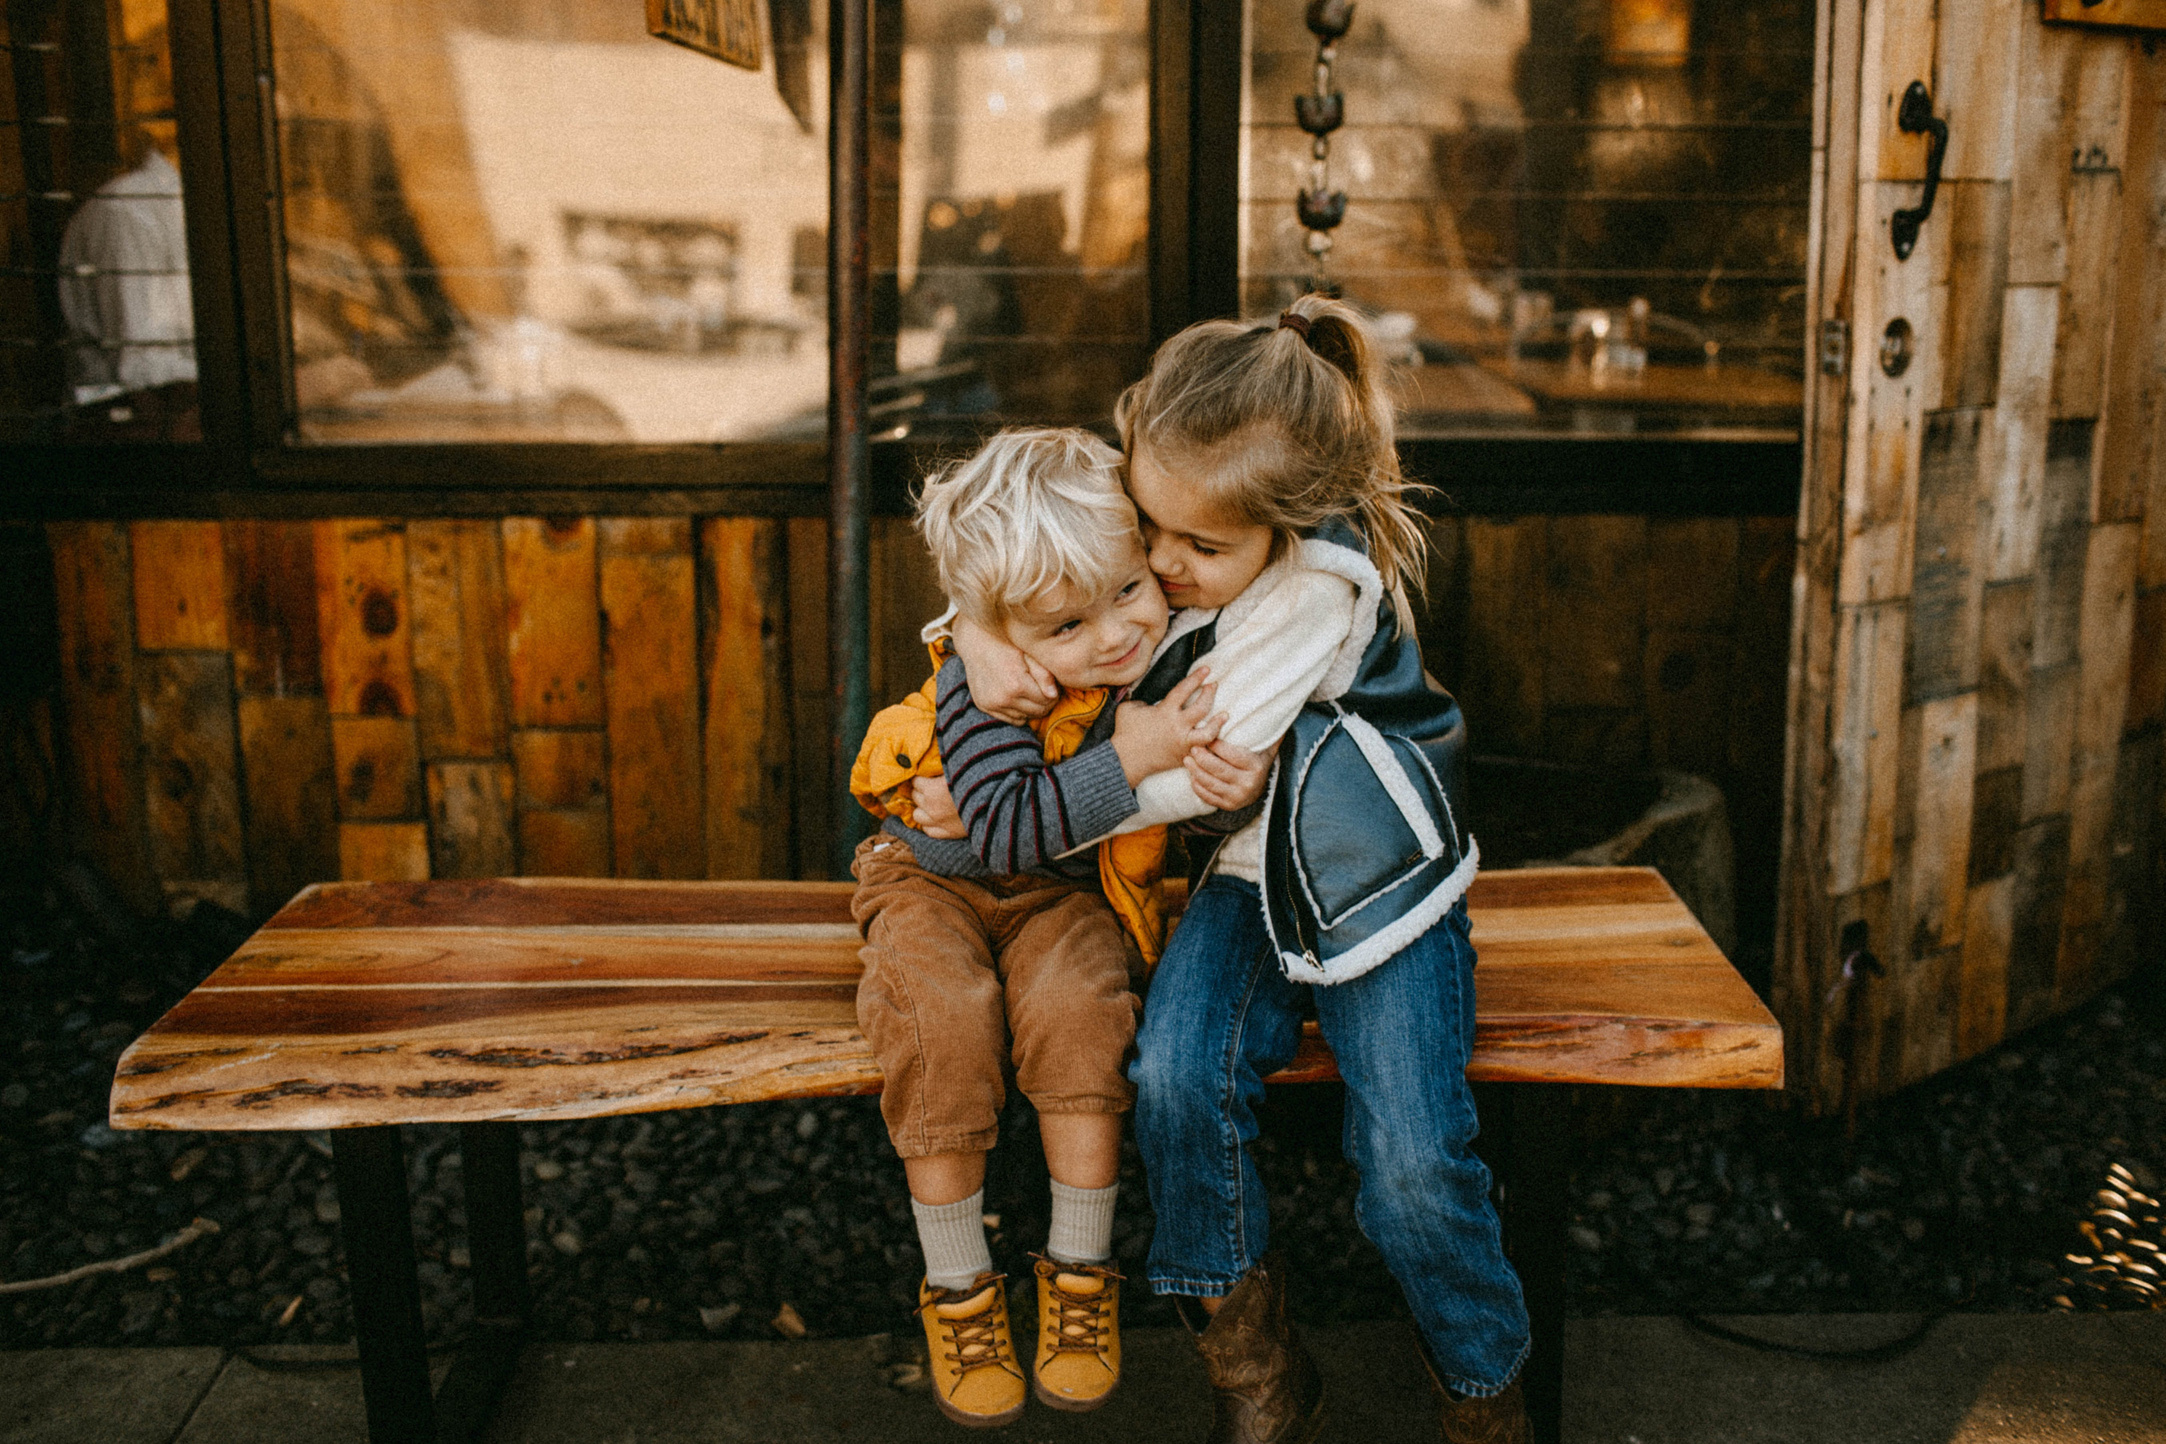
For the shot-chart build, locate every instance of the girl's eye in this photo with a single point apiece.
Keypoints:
(1204, 551)
(1130, 589)
(1065, 628)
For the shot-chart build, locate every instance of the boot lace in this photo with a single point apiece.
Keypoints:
(1079, 1320)
(980, 1331)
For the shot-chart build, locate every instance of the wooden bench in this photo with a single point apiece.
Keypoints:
(362, 1007)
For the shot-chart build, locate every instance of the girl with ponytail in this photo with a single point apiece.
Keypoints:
(1261, 459)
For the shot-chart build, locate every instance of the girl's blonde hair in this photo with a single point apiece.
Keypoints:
(1292, 424)
(1034, 509)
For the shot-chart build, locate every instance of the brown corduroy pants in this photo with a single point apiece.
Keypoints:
(964, 977)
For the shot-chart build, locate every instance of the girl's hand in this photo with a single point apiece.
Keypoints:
(1226, 776)
(1003, 682)
(934, 808)
(1155, 738)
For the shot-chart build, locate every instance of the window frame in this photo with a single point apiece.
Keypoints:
(249, 463)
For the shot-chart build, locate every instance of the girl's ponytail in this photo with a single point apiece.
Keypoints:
(1334, 337)
(1298, 424)
(1398, 542)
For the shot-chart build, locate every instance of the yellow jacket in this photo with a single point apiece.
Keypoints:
(901, 745)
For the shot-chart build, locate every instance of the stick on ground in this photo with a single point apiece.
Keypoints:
(198, 1229)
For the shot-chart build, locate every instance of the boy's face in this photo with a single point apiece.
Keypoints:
(1095, 641)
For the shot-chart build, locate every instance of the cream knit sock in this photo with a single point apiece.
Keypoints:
(953, 1238)
(1082, 1231)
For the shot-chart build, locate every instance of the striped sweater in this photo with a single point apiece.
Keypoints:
(1022, 811)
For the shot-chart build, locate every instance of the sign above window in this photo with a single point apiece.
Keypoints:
(726, 29)
(2108, 14)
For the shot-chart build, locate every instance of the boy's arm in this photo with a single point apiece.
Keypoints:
(1022, 812)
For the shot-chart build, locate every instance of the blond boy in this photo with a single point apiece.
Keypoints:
(1000, 948)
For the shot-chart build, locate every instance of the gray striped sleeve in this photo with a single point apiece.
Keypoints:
(1023, 813)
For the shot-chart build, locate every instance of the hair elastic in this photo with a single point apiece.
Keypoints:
(1296, 322)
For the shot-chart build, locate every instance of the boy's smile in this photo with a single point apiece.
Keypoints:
(1099, 641)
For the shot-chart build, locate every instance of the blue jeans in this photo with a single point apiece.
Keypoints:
(1221, 1016)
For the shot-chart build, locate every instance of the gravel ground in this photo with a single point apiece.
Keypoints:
(1964, 1192)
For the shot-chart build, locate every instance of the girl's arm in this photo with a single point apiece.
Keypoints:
(1266, 664)
(1003, 682)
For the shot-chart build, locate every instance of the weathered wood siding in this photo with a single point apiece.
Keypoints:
(256, 705)
(1627, 641)
(1975, 735)
(251, 706)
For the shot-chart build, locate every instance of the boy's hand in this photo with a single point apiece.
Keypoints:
(1227, 776)
(933, 808)
(1154, 738)
(1003, 682)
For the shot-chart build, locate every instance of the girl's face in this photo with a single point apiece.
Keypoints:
(1202, 557)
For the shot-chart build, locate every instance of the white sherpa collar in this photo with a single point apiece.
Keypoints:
(1315, 554)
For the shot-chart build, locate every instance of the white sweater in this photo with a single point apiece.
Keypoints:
(1295, 634)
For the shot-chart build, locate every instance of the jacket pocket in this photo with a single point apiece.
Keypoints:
(1364, 819)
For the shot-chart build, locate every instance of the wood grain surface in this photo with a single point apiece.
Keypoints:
(101, 722)
(445, 1001)
(180, 585)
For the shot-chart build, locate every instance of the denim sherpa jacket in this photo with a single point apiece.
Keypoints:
(1365, 847)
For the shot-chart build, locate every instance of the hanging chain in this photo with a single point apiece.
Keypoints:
(1320, 113)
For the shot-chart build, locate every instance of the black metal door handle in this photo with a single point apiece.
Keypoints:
(1916, 117)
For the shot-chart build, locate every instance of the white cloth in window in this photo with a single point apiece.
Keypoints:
(124, 284)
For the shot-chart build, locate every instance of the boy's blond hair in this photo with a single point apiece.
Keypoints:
(1035, 509)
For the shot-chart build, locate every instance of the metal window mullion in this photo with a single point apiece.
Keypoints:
(849, 626)
(1197, 63)
(242, 36)
(207, 199)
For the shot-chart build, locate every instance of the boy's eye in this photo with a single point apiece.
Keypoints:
(1204, 551)
(1066, 627)
(1130, 589)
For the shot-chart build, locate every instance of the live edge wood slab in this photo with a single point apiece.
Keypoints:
(528, 999)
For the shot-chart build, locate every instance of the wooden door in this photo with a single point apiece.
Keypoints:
(1974, 761)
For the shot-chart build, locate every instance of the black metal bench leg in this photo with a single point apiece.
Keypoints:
(1536, 1170)
(374, 1219)
(496, 1250)
(495, 1220)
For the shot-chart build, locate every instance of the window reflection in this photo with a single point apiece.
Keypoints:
(97, 335)
(537, 222)
(1025, 204)
(1580, 215)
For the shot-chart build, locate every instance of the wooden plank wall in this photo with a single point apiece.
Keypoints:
(1975, 745)
(250, 706)
(1627, 642)
(259, 704)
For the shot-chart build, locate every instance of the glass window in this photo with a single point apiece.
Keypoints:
(534, 221)
(97, 337)
(1567, 215)
(1024, 208)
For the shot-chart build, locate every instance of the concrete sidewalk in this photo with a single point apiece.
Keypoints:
(1977, 1379)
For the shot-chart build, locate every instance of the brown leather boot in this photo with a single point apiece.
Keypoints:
(1499, 1419)
(1267, 1386)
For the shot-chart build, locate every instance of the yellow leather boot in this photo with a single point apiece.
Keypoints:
(1079, 1335)
(977, 1380)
